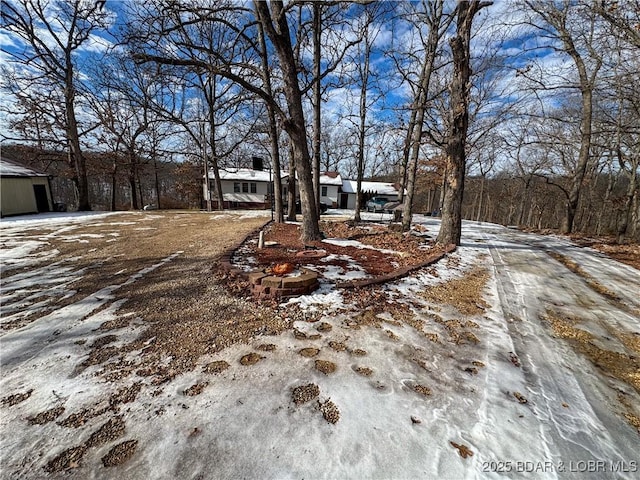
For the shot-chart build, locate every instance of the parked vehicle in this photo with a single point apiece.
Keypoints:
(376, 204)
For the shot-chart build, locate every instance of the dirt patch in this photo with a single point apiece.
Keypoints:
(115, 324)
(309, 352)
(114, 428)
(46, 416)
(174, 302)
(358, 352)
(125, 395)
(196, 389)
(76, 420)
(104, 340)
(338, 346)
(364, 371)
(325, 366)
(631, 340)
(463, 450)
(521, 398)
(622, 366)
(324, 327)
(392, 335)
(464, 294)
(216, 367)
(631, 414)
(250, 359)
(11, 400)
(305, 393)
(422, 390)
(330, 411)
(68, 459)
(266, 347)
(120, 453)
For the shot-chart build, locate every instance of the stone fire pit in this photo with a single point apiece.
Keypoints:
(267, 285)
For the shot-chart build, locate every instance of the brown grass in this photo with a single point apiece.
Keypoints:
(619, 365)
(464, 294)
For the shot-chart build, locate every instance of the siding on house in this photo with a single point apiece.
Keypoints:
(330, 186)
(244, 187)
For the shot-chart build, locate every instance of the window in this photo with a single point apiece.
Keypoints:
(245, 187)
(323, 192)
(236, 187)
(253, 187)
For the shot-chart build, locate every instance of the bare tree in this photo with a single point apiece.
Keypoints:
(433, 17)
(274, 21)
(455, 150)
(273, 130)
(51, 59)
(237, 63)
(576, 37)
(623, 16)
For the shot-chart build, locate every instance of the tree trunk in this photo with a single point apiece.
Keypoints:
(480, 198)
(73, 137)
(157, 181)
(295, 124)
(139, 183)
(363, 123)
(113, 186)
(316, 102)
(628, 210)
(206, 184)
(583, 159)
(291, 187)
(209, 88)
(420, 107)
(397, 214)
(451, 227)
(523, 201)
(132, 181)
(273, 130)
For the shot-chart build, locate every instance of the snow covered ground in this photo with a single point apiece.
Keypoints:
(510, 397)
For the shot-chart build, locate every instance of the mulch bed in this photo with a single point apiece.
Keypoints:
(412, 249)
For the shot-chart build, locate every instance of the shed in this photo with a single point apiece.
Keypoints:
(23, 190)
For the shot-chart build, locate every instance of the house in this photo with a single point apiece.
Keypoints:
(251, 188)
(23, 190)
(245, 187)
(369, 189)
(330, 188)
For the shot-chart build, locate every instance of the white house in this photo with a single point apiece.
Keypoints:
(369, 189)
(251, 188)
(245, 187)
(330, 188)
(23, 190)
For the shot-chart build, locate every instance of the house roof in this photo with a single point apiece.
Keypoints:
(330, 178)
(11, 168)
(247, 174)
(379, 188)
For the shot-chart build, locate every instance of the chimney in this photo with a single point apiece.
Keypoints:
(258, 163)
